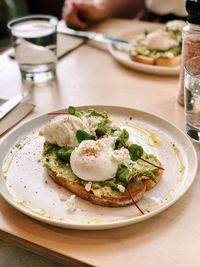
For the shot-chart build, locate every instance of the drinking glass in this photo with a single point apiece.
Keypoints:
(192, 97)
(34, 40)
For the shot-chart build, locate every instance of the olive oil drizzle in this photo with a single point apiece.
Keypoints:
(44, 214)
(152, 139)
(38, 211)
(176, 151)
(171, 192)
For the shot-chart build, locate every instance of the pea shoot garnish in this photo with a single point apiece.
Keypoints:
(82, 136)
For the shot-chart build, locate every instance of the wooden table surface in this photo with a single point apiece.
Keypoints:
(90, 76)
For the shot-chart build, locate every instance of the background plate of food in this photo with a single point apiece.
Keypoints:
(129, 148)
(155, 49)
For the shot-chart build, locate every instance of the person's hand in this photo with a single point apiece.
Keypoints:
(80, 13)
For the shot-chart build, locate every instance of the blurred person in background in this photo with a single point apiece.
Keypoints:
(81, 13)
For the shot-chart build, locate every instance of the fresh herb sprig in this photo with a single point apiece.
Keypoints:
(136, 151)
(134, 202)
(102, 129)
(88, 113)
(64, 154)
(72, 111)
(82, 136)
(122, 140)
(125, 174)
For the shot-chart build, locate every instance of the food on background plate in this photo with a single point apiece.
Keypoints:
(161, 47)
(91, 156)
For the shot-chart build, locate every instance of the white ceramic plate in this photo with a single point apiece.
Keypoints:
(124, 58)
(26, 186)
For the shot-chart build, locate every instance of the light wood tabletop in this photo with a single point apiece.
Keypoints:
(90, 76)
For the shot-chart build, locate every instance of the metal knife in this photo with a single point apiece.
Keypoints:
(98, 37)
(10, 104)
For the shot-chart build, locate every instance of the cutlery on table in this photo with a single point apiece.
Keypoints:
(10, 104)
(93, 36)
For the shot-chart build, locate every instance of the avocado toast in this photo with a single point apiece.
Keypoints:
(102, 167)
(161, 47)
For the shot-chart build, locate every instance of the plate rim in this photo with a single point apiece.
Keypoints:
(107, 225)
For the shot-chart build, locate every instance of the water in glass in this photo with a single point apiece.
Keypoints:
(192, 106)
(35, 48)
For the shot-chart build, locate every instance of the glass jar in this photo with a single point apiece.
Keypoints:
(190, 41)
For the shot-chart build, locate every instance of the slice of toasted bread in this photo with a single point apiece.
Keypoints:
(117, 200)
(168, 62)
(150, 183)
(143, 59)
(165, 62)
(63, 175)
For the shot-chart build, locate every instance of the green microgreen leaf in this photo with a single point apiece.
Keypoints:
(124, 136)
(127, 174)
(123, 173)
(142, 174)
(122, 139)
(92, 112)
(118, 144)
(64, 154)
(102, 129)
(82, 136)
(72, 110)
(135, 152)
(52, 148)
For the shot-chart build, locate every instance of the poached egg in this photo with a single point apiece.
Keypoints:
(97, 161)
(62, 129)
(176, 25)
(93, 161)
(159, 40)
